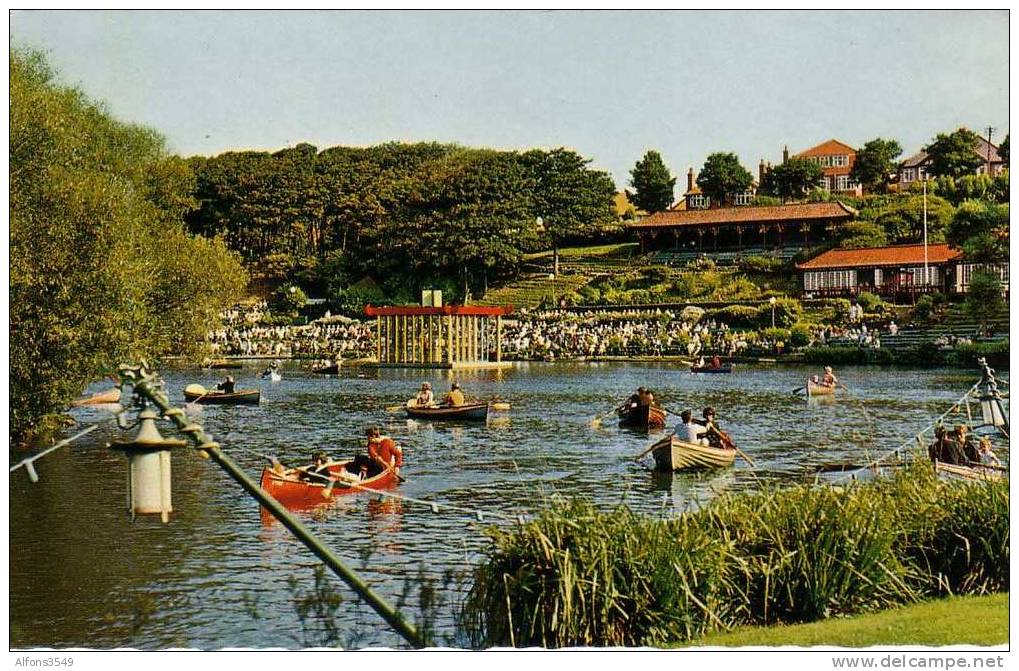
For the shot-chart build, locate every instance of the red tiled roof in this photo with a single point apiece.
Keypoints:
(899, 255)
(746, 215)
(828, 148)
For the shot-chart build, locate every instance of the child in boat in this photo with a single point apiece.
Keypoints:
(425, 398)
(987, 456)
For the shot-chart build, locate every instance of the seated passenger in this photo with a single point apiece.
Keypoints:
(455, 397)
(318, 471)
(690, 431)
(227, 385)
(425, 398)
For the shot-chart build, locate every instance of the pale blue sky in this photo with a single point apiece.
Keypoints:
(608, 84)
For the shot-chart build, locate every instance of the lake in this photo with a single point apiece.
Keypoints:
(83, 574)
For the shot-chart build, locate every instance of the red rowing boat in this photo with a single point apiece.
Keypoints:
(288, 488)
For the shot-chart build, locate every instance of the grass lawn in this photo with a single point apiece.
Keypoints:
(619, 249)
(974, 620)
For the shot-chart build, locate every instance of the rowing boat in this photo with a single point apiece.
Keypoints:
(331, 369)
(642, 417)
(242, 396)
(286, 486)
(107, 397)
(959, 472)
(815, 389)
(673, 454)
(469, 412)
(709, 369)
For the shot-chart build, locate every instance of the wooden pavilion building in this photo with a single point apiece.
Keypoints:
(446, 336)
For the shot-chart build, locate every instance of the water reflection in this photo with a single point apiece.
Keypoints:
(79, 568)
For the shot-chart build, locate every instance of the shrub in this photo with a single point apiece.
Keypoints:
(691, 314)
(287, 300)
(870, 302)
(761, 264)
(775, 334)
(799, 334)
(744, 316)
(787, 312)
(589, 294)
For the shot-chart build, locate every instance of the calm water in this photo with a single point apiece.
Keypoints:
(83, 574)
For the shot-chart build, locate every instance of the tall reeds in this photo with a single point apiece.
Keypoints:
(577, 576)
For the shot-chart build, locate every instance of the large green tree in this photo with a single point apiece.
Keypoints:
(653, 184)
(903, 218)
(875, 164)
(984, 302)
(954, 154)
(792, 179)
(722, 177)
(101, 267)
(1003, 150)
(981, 230)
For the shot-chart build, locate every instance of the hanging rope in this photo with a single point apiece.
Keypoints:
(29, 462)
(917, 439)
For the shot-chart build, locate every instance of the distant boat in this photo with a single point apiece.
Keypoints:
(331, 369)
(272, 376)
(642, 417)
(195, 393)
(469, 411)
(710, 369)
(102, 398)
(224, 364)
(815, 389)
(673, 454)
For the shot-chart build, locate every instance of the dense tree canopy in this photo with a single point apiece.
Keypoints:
(792, 179)
(1003, 150)
(903, 219)
(653, 184)
(981, 230)
(407, 215)
(954, 154)
(875, 164)
(101, 267)
(722, 177)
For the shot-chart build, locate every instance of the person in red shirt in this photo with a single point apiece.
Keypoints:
(383, 452)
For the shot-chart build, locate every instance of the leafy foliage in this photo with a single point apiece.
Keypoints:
(983, 299)
(875, 164)
(653, 184)
(101, 267)
(954, 154)
(861, 234)
(792, 179)
(1003, 150)
(981, 230)
(722, 177)
(903, 219)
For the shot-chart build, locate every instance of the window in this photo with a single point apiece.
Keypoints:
(698, 202)
(999, 269)
(916, 275)
(844, 183)
(921, 172)
(840, 161)
(743, 198)
(825, 184)
(908, 174)
(829, 279)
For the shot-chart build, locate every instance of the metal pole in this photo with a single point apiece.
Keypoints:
(142, 384)
(926, 277)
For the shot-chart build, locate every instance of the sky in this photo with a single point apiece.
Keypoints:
(608, 84)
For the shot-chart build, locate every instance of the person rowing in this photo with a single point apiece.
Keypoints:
(383, 452)
(318, 471)
(829, 379)
(716, 437)
(455, 397)
(689, 430)
(227, 385)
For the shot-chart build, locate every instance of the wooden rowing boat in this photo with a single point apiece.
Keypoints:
(289, 489)
(709, 369)
(673, 454)
(959, 472)
(331, 369)
(642, 417)
(242, 396)
(102, 398)
(468, 412)
(814, 389)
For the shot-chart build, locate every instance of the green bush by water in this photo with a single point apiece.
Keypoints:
(577, 576)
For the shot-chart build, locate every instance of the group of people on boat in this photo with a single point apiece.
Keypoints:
(381, 453)
(959, 447)
(716, 363)
(227, 386)
(827, 380)
(426, 398)
(272, 370)
(638, 398)
(702, 431)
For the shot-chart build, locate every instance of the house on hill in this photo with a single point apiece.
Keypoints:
(836, 159)
(915, 168)
(781, 230)
(894, 272)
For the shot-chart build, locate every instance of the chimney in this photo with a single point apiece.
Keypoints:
(760, 173)
(785, 153)
(689, 180)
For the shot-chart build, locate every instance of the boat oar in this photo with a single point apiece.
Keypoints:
(795, 392)
(500, 406)
(596, 422)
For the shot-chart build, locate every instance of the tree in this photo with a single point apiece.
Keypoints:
(652, 182)
(954, 154)
(102, 270)
(980, 229)
(792, 179)
(1003, 150)
(722, 177)
(861, 234)
(983, 299)
(903, 218)
(875, 164)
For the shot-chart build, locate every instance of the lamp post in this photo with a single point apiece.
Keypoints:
(551, 279)
(772, 301)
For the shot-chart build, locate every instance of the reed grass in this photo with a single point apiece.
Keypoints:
(577, 576)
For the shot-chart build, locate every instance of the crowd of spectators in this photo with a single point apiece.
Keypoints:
(242, 334)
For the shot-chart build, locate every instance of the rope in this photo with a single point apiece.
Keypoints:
(917, 438)
(480, 515)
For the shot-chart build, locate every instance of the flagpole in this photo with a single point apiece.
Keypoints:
(926, 272)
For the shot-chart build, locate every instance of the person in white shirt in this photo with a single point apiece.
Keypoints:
(689, 431)
(425, 398)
